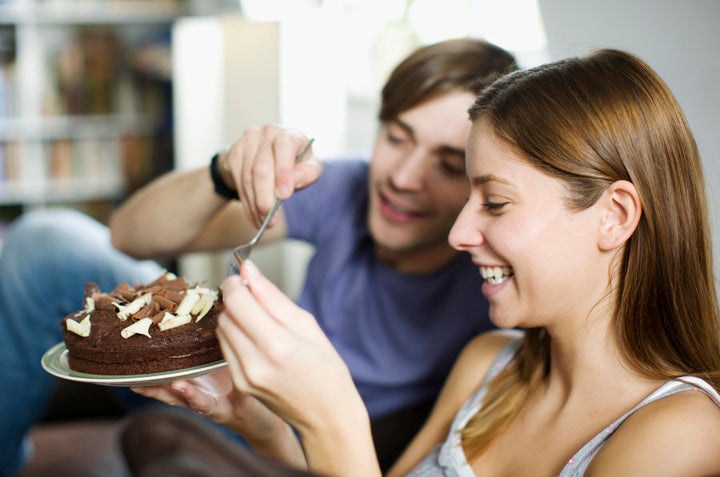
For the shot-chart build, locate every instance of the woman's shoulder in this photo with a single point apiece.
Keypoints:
(678, 434)
(482, 356)
(492, 345)
(471, 367)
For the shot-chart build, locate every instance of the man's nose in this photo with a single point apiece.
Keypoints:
(410, 171)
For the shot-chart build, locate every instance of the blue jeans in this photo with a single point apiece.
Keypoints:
(45, 262)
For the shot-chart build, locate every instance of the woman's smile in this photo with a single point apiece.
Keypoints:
(495, 275)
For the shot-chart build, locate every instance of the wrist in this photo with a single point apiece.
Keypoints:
(220, 177)
(283, 445)
(342, 441)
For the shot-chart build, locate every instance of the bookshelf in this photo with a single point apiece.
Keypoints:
(85, 101)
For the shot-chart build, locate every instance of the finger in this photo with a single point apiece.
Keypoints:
(287, 147)
(273, 301)
(247, 313)
(233, 341)
(197, 400)
(162, 394)
(307, 172)
(263, 170)
(215, 384)
(228, 346)
(250, 144)
(238, 155)
(242, 349)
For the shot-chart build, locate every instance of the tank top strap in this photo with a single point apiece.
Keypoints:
(578, 463)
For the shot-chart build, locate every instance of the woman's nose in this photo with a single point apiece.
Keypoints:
(466, 231)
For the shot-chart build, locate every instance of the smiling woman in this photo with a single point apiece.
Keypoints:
(611, 252)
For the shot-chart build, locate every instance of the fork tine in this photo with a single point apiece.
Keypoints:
(231, 267)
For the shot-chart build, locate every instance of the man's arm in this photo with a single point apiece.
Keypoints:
(183, 212)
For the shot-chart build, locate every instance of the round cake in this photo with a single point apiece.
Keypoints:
(162, 326)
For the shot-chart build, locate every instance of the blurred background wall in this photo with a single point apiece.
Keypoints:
(97, 97)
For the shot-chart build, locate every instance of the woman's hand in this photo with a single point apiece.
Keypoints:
(261, 166)
(214, 396)
(277, 352)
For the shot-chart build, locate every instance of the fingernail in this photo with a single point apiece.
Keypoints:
(299, 177)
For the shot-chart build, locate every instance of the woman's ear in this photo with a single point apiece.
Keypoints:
(622, 212)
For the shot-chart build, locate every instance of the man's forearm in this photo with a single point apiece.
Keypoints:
(166, 216)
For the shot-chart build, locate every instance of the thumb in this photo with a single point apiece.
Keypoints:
(307, 172)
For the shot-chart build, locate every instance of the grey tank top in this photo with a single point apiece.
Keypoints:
(448, 459)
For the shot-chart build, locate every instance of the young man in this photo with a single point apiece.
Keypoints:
(396, 300)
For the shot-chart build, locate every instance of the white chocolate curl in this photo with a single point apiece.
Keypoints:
(81, 329)
(170, 321)
(140, 327)
(125, 311)
(204, 304)
(89, 305)
(187, 303)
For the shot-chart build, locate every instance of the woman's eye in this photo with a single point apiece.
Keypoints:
(494, 206)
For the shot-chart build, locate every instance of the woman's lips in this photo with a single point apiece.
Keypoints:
(495, 278)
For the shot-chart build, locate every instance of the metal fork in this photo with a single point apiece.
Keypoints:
(242, 252)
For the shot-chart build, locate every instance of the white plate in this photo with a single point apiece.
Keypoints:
(55, 362)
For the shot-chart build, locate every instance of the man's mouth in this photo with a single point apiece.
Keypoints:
(496, 275)
(397, 212)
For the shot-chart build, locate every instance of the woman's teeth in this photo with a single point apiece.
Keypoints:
(495, 275)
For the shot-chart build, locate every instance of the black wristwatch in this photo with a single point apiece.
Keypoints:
(220, 187)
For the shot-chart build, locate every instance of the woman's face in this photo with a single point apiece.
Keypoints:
(540, 260)
(418, 182)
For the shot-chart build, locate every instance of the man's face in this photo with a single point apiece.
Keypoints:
(418, 183)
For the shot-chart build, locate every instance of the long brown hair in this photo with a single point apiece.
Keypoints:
(591, 121)
(456, 64)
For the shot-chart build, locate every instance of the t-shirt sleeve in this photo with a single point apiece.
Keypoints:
(339, 194)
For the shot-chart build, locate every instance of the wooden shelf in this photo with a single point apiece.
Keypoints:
(47, 128)
(66, 191)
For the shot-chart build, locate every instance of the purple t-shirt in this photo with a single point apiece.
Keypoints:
(399, 333)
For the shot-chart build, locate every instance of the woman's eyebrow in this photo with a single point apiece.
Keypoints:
(480, 180)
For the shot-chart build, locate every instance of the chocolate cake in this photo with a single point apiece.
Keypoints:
(162, 326)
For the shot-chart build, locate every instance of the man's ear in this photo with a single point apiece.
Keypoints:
(622, 212)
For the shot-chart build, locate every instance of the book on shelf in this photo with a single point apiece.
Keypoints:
(7, 70)
(11, 162)
(91, 121)
(62, 160)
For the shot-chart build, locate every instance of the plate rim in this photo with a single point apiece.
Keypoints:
(54, 361)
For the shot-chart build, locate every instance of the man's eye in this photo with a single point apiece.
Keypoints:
(395, 139)
(452, 170)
